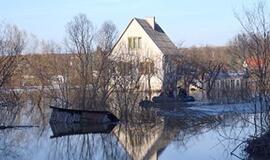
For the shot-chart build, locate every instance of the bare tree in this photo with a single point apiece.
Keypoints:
(50, 47)
(12, 43)
(80, 41)
(92, 50)
(253, 45)
(200, 67)
(103, 73)
(106, 36)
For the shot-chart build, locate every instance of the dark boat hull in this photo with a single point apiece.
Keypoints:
(61, 115)
(165, 99)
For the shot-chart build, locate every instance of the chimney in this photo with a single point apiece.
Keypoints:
(151, 21)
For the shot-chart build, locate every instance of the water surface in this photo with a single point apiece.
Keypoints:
(166, 137)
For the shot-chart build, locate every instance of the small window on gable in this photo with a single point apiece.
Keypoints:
(139, 42)
(134, 42)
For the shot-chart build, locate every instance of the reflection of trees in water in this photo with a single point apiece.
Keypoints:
(10, 107)
(126, 106)
(33, 109)
(127, 141)
(133, 140)
(232, 131)
(252, 47)
(89, 146)
(17, 113)
(24, 109)
(12, 43)
(148, 140)
(21, 112)
(188, 128)
(9, 146)
(144, 136)
(16, 144)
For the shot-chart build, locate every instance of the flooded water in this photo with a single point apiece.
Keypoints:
(165, 138)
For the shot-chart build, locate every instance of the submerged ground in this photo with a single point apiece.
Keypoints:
(198, 131)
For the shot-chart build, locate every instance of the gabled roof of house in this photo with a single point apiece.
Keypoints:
(158, 36)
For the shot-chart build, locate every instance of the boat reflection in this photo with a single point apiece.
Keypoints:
(64, 129)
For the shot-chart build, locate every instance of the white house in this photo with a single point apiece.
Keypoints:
(145, 40)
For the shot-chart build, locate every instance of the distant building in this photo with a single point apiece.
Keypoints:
(146, 40)
(231, 86)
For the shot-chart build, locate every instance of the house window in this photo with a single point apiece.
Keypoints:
(125, 68)
(129, 42)
(147, 67)
(139, 42)
(134, 42)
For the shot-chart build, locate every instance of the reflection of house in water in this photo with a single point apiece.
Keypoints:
(135, 141)
(142, 141)
(147, 141)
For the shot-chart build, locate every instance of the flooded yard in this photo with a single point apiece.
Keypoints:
(76, 85)
(168, 136)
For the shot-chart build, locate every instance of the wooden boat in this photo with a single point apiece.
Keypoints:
(64, 129)
(61, 115)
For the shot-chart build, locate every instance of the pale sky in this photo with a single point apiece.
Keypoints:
(195, 22)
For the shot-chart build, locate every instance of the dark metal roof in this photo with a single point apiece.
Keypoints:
(159, 37)
(231, 74)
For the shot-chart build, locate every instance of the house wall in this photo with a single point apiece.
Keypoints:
(148, 50)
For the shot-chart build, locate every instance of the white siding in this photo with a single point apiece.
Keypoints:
(148, 50)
